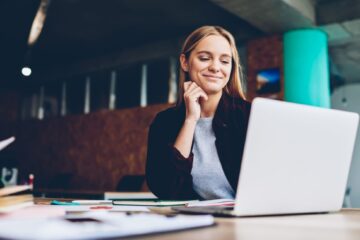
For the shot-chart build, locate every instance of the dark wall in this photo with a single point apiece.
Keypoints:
(9, 105)
(84, 152)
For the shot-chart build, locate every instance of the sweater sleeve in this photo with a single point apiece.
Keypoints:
(168, 172)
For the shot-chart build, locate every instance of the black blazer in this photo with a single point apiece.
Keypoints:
(168, 172)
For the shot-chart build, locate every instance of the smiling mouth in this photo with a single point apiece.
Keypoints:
(212, 77)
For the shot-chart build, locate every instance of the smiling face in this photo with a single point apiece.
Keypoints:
(209, 64)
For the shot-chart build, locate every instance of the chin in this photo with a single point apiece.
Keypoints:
(212, 90)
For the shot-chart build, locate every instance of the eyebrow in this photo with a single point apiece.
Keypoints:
(207, 52)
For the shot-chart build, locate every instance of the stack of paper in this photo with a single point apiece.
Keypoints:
(15, 197)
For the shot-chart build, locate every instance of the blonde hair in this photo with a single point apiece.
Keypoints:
(234, 86)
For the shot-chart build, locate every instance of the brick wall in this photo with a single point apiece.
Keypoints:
(85, 152)
(264, 53)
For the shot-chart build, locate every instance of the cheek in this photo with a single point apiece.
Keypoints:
(228, 70)
(197, 65)
(195, 69)
(227, 73)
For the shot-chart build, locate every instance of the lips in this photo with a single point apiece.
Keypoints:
(212, 76)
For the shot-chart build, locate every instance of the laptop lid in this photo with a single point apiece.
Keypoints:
(296, 159)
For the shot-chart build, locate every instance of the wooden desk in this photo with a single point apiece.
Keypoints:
(343, 225)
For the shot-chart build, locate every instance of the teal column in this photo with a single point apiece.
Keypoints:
(306, 67)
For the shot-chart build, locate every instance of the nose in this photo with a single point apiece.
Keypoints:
(214, 66)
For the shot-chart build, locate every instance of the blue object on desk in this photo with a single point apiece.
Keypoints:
(61, 203)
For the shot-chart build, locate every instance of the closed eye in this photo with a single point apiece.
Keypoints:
(203, 59)
(225, 60)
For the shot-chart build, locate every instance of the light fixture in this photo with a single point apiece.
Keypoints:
(38, 22)
(35, 32)
(26, 71)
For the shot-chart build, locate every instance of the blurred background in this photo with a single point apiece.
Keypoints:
(81, 80)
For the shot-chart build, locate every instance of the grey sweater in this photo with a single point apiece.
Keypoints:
(209, 180)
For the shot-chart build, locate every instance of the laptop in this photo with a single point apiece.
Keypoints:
(296, 160)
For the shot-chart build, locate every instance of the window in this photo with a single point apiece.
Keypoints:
(75, 95)
(52, 99)
(158, 81)
(128, 87)
(99, 90)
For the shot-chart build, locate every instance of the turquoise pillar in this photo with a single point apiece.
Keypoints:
(306, 67)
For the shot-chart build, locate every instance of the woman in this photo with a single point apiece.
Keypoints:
(195, 149)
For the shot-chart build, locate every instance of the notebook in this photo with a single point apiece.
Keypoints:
(296, 160)
(152, 202)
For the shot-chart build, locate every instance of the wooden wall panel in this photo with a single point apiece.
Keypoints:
(85, 152)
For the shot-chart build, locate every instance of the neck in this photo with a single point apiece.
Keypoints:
(208, 108)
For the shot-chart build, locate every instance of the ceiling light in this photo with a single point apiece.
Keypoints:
(38, 22)
(26, 71)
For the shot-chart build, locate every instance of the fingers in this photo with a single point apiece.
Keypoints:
(187, 85)
(198, 93)
(190, 86)
(194, 92)
(204, 96)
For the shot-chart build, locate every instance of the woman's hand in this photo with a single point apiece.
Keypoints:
(193, 94)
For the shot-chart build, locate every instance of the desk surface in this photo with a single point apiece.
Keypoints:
(342, 225)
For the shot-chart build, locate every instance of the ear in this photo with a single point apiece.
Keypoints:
(183, 63)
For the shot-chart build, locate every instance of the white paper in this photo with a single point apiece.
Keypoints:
(109, 225)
